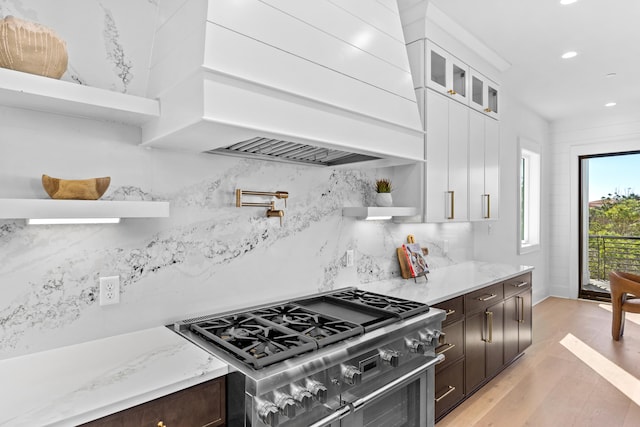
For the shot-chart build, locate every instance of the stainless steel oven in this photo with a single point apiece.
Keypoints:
(389, 401)
(341, 358)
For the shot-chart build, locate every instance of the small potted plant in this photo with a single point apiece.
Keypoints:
(383, 190)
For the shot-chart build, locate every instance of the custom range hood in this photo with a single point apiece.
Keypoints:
(326, 82)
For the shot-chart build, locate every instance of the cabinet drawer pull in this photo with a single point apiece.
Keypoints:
(446, 393)
(449, 312)
(448, 347)
(519, 285)
(487, 297)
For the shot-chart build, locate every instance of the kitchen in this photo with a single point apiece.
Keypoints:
(208, 255)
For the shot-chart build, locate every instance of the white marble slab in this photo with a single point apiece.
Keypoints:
(75, 384)
(447, 282)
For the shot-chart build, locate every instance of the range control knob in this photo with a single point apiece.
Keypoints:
(286, 405)
(389, 357)
(433, 337)
(351, 375)
(302, 396)
(318, 390)
(268, 414)
(416, 346)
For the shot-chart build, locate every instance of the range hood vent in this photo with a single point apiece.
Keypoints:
(274, 149)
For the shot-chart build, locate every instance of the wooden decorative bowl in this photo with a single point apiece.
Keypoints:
(77, 189)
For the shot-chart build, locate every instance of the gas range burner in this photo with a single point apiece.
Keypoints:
(254, 340)
(320, 327)
(403, 308)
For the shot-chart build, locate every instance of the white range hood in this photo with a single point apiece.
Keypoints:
(286, 80)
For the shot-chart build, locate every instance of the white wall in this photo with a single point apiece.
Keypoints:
(497, 241)
(605, 133)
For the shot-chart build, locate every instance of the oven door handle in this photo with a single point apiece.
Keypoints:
(358, 404)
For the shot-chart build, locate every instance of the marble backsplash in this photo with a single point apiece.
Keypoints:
(208, 256)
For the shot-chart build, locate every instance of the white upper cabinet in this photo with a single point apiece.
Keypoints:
(446, 175)
(484, 95)
(446, 74)
(484, 167)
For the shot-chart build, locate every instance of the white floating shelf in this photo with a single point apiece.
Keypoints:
(50, 208)
(29, 91)
(368, 212)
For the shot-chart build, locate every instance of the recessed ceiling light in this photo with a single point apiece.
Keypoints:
(609, 104)
(567, 1)
(569, 54)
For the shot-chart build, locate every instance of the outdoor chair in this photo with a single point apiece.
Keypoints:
(625, 288)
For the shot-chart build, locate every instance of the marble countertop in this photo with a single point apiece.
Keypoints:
(75, 384)
(448, 282)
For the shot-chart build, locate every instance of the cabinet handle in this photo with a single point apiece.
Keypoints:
(451, 204)
(521, 316)
(449, 312)
(487, 206)
(519, 285)
(488, 110)
(487, 297)
(448, 347)
(446, 393)
(452, 92)
(489, 316)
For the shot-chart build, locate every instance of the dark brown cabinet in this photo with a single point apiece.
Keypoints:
(485, 330)
(484, 345)
(517, 317)
(197, 406)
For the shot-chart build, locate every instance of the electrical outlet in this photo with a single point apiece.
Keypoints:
(350, 258)
(109, 290)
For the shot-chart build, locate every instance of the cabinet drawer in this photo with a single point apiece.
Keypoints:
(483, 298)
(197, 406)
(454, 309)
(449, 388)
(453, 347)
(517, 285)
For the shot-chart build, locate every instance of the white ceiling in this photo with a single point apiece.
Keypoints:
(533, 34)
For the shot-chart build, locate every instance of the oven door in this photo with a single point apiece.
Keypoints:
(404, 401)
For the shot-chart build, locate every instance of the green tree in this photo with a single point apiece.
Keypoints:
(619, 215)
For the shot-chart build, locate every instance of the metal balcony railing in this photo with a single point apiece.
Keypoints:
(607, 253)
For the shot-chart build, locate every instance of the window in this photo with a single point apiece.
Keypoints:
(529, 197)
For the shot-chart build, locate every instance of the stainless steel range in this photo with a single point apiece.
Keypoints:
(341, 358)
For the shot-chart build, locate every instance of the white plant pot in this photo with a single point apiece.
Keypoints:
(384, 200)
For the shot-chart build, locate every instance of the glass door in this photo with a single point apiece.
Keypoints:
(609, 220)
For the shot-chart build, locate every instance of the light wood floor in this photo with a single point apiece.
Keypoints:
(549, 385)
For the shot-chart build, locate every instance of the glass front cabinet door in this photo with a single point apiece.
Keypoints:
(446, 73)
(484, 94)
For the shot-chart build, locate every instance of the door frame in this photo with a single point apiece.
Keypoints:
(602, 147)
